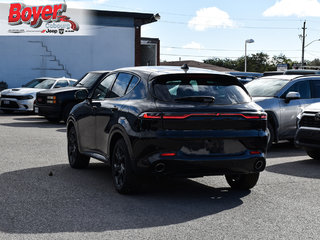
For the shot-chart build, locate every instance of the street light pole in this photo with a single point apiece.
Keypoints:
(245, 53)
(311, 42)
(303, 42)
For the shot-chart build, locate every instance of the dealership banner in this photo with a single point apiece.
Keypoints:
(45, 18)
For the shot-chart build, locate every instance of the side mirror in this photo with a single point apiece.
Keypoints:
(292, 96)
(81, 94)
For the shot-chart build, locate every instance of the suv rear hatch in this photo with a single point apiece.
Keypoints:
(209, 114)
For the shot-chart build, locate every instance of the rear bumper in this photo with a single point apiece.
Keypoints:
(308, 137)
(196, 167)
(194, 157)
(53, 111)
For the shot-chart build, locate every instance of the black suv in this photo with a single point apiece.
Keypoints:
(55, 104)
(308, 133)
(169, 121)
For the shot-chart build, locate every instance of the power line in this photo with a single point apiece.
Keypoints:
(185, 55)
(248, 27)
(193, 15)
(229, 50)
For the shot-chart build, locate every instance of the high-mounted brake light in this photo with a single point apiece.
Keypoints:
(184, 116)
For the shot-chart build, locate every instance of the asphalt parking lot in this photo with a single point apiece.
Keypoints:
(82, 204)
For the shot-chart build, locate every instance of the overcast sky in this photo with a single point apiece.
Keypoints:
(214, 28)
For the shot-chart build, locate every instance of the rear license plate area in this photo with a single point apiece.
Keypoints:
(213, 147)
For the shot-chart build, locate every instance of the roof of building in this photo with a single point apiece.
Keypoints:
(192, 63)
(140, 18)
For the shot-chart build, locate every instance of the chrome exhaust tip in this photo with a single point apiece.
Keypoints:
(259, 165)
(160, 167)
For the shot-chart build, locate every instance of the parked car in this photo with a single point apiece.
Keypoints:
(271, 73)
(169, 121)
(283, 97)
(245, 77)
(308, 133)
(55, 104)
(22, 99)
(301, 72)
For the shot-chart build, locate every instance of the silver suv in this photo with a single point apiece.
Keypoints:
(283, 97)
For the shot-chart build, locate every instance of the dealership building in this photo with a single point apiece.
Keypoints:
(106, 40)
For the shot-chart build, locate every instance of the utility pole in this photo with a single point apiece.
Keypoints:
(303, 42)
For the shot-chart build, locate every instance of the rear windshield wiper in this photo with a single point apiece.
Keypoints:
(207, 99)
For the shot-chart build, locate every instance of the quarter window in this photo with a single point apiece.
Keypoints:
(133, 83)
(61, 83)
(71, 83)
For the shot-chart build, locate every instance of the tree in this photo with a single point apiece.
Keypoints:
(315, 62)
(259, 62)
(282, 59)
(226, 62)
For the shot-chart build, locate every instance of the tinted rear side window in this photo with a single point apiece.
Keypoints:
(315, 89)
(133, 83)
(120, 86)
(224, 91)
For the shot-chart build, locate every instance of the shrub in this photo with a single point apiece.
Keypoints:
(3, 85)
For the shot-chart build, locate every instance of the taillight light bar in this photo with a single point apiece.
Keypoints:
(184, 116)
(168, 154)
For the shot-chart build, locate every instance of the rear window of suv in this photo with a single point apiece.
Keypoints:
(175, 88)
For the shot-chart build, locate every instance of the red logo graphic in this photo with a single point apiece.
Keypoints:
(34, 16)
(74, 25)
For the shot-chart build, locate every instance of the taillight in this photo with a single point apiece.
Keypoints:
(168, 154)
(151, 115)
(255, 152)
(156, 115)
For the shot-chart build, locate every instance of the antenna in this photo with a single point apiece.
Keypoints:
(185, 67)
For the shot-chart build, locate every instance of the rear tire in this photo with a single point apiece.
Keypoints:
(270, 129)
(124, 179)
(242, 181)
(76, 159)
(315, 154)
